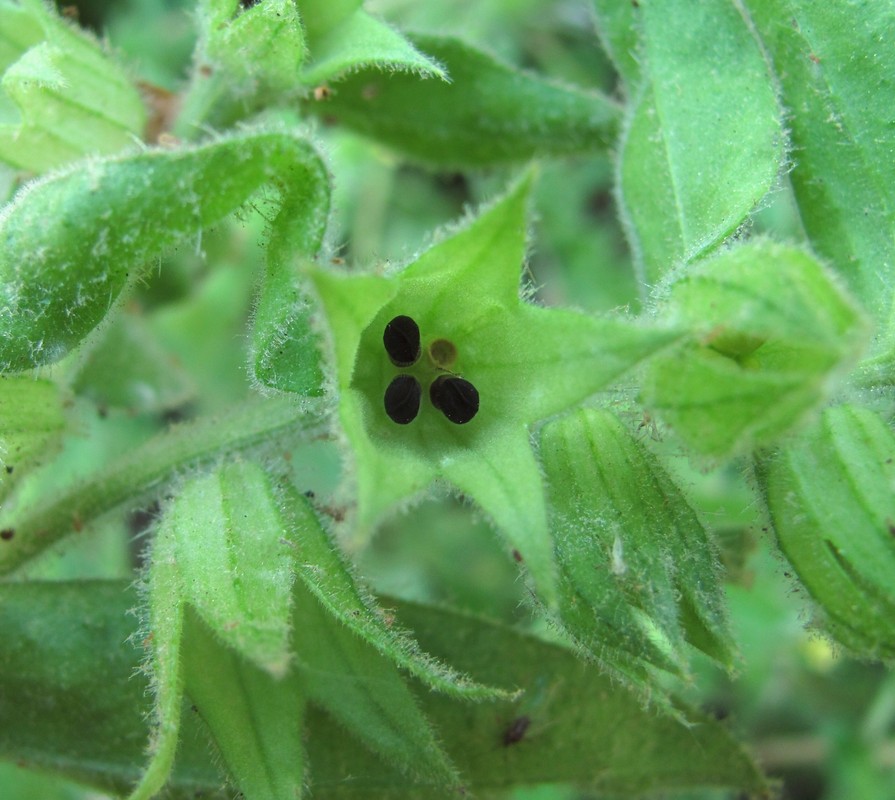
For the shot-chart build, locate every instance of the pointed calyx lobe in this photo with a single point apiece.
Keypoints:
(489, 366)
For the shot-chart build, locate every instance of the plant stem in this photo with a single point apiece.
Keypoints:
(259, 422)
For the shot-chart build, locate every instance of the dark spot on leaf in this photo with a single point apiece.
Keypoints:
(517, 556)
(402, 399)
(310, 494)
(515, 731)
(9, 469)
(456, 398)
(891, 526)
(402, 341)
(6, 534)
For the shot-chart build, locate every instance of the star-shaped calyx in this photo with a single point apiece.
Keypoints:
(524, 362)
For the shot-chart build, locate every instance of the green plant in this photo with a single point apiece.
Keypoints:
(734, 376)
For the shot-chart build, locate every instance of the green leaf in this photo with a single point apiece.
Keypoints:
(163, 640)
(365, 692)
(617, 27)
(362, 42)
(72, 99)
(73, 704)
(634, 556)
(704, 142)
(31, 426)
(771, 334)
(73, 240)
(256, 719)
(127, 368)
(466, 290)
(253, 428)
(327, 576)
(489, 113)
(234, 562)
(835, 66)
(830, 494)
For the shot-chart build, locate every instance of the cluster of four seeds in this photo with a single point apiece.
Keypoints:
(455, 397)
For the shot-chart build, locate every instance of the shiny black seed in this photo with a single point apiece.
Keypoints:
(457, 398)
(402, 341)
(402, 399)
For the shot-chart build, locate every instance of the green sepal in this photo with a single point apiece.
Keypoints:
(127, 368)
(704, 140)
(328, 577)
(362, 43)
(830, 494)
(72, 99)
(255, 719)
(771, 331)
(235, 562)
(31, 426)
(640, 575)
(489, 113)
(466, 289)
(74, 239)
(365, 692)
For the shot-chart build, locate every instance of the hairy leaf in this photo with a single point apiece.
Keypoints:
(73, 240)
(359, 41)
(489, 113)
(835, 64)
(704, 142)
(617, 27)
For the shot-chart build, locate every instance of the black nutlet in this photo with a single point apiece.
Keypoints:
(402, 399)
(402, 341)
(455, 397)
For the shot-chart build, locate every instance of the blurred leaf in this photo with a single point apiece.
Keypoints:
(489, 113)
(255, 718)
(31, 427)
(771, 334)
(835, 64)
(831, 495)
(73, 703)
(72, 99)
(109, 217)
(617, 27)
(321, 16)
(703, 142)
(639, 572)
(362, 42)
(128, 369)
